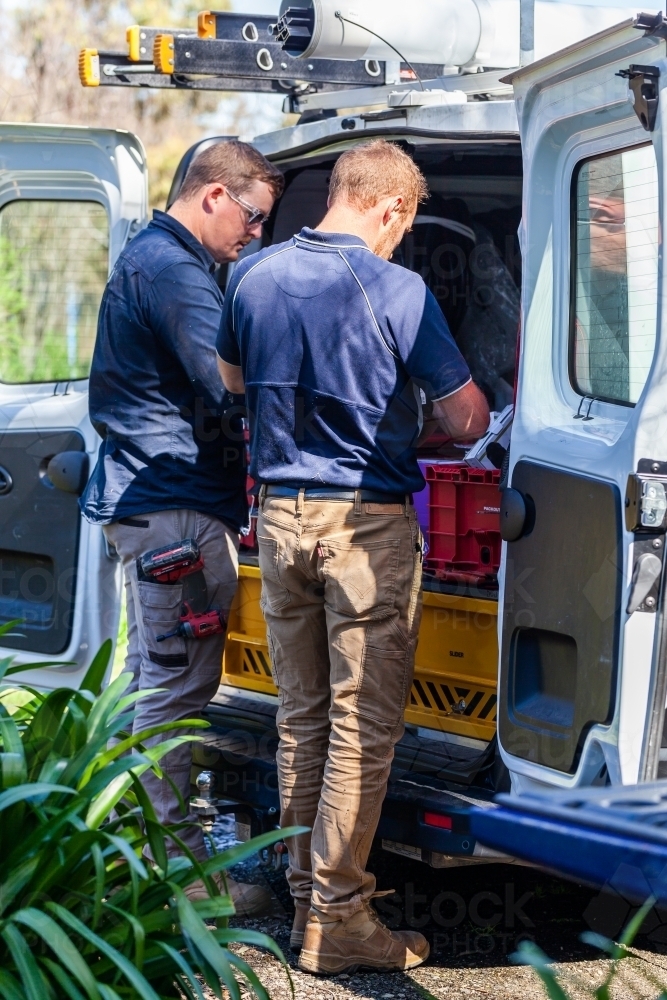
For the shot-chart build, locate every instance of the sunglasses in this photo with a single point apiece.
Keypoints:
(255, 217)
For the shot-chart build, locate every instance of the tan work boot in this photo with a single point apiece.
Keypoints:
(360, 942)
(301, 911)
(249, 900)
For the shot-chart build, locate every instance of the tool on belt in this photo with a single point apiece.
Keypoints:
(172, 562)
(169, 565)
(196, 626)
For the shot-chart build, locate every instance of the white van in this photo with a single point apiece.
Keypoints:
(574, 695)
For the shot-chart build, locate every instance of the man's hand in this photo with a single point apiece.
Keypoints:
(232, 377)
(464, 415)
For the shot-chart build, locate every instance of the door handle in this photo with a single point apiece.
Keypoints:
(647, 570)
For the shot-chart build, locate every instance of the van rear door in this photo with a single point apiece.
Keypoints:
(582, 665)
(70, 198)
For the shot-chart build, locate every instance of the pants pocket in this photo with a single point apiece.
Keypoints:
(386, 673)
(360, 579)
(273, 658)
(274, 594)
(160, 613)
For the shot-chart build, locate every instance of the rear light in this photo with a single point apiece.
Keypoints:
(435, 819)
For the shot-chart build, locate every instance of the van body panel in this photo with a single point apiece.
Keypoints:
(587, 409)
(492, 120)
(70, 198)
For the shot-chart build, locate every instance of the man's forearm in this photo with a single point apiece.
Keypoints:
(464, 415)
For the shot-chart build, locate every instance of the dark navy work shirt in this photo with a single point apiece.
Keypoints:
(339, 350)
(172, 437)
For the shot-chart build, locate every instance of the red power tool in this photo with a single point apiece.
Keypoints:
(170, 563)
(197, 626)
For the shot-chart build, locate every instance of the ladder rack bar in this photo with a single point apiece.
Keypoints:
(196, 63)
(472, 84)
(117, 70)
(257, 60)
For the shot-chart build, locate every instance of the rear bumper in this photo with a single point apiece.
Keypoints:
(612, 838)
(426, 813)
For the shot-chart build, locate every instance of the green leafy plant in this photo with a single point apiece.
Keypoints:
(83, 914)
(555, 985)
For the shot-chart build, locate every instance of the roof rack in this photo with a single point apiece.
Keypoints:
(487, 85)
(230, 51)
(238, 52)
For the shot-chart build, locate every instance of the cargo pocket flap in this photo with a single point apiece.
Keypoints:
(160, 595)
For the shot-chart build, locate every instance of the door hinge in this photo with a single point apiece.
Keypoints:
(643, 83)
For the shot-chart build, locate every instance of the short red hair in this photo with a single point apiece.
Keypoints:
(374, 170)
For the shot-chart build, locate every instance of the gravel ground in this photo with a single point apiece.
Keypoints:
(474, 918)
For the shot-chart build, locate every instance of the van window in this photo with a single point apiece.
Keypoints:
(54, 259)
(615, 274)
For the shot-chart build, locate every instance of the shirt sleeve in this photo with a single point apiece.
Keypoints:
(185, 312)
(432, 359)
(227, 343)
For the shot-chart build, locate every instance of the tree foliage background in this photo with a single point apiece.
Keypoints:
(39, 77)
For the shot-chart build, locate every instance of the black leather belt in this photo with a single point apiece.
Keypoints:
(335, 493)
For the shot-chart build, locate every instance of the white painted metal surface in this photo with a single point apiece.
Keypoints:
(41, 162)
(471, 120)
(572, 107)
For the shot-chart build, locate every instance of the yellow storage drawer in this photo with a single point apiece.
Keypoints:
(454, 689)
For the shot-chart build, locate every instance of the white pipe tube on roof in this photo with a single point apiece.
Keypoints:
(428, 31)
(446, 32)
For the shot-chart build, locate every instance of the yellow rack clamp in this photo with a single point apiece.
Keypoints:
(206, 24)
(163, 53)
(89, 68)
(136, 44)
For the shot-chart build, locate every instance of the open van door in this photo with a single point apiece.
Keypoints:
(583, 666)
(70, 199)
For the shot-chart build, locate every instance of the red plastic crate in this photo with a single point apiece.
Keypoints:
(464, 523)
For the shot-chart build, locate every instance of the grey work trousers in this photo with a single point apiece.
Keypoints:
(188, 671)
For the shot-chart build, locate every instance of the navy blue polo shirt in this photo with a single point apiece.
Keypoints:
(172, 436)
(339, 350)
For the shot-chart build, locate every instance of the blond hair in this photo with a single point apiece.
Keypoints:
(374, 170)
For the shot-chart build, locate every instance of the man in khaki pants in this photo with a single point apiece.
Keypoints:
(338, 351)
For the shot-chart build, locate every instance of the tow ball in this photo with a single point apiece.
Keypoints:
(206, 806)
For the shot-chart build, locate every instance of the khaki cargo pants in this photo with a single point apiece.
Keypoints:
(341, 595)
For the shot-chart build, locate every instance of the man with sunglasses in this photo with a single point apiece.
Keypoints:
(171, 465)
